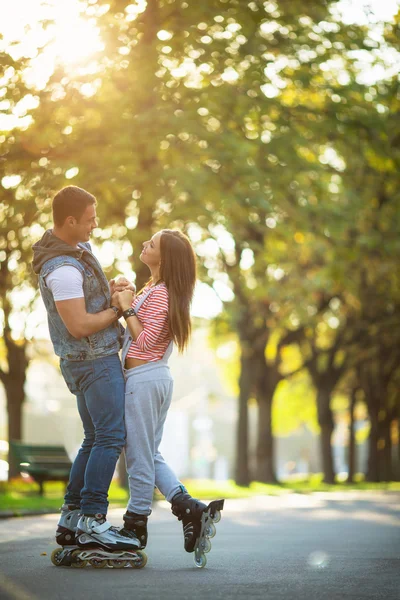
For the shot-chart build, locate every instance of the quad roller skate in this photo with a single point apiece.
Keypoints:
(198, 522)
(135, 525)
(100, 545)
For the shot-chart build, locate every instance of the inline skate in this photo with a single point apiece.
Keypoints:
(135, 525)
(65, 534)
(100, 545)
(198, 522)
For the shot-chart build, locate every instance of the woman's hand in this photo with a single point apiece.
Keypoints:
(121, 284)
(123, 299)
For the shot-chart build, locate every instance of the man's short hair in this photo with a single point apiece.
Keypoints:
(70, 201)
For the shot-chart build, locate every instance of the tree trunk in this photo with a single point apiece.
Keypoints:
(15, 400)
(265, 444)
(352, 440)
(397, 462)
(373, 454)
(387, 450)
(267, 381)
(242, 476)
(14, 382)
(325, 420)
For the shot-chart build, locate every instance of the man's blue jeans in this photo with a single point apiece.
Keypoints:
(99, 387)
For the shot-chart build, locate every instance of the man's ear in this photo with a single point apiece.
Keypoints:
(70, 221)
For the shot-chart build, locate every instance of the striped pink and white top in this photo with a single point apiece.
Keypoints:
(153, 341)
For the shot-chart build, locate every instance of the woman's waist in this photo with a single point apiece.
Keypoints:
(148, 371)
(132, 362)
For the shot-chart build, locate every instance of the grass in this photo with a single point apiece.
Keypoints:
(228, 489)
(315, 484)
(21, 494)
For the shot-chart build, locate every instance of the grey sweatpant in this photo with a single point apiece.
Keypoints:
(148, 396)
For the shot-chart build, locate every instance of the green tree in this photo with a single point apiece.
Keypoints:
(23, 198)
(230, 120)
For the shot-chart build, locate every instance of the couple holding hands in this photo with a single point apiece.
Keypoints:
(122, 401)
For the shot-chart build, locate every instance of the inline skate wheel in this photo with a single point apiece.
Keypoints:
(217, 516)
(98, 563)
(116, 563)
(140, 562)
(56, 556)
(200, 561)
(77, 563)
(205, 545)
(210, 530)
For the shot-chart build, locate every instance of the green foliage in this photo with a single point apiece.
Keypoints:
(250, 126)
(294, 406)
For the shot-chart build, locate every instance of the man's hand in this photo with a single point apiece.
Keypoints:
(123, 299)
(120, 284)
(115, 299)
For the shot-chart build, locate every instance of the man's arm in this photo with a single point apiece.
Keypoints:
(80, 323)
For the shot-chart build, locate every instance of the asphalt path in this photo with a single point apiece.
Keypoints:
(302, 547)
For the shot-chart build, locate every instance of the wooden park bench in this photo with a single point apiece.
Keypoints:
(42, 463)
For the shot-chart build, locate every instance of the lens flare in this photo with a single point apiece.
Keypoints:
(318, 560)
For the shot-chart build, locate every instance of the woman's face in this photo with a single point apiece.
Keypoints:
(151, 253)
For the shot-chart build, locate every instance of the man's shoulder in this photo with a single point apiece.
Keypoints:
(56, 262)
(67, 270)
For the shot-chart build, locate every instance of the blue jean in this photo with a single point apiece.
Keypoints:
(99, 387)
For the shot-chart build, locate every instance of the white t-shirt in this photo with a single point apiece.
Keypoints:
(65, 283)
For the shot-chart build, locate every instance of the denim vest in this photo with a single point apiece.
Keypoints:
(97, 298)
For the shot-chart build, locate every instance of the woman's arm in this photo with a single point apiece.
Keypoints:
(134, 326)
(124, 300)
(147, 335)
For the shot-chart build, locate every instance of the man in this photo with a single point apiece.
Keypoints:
(86, 335)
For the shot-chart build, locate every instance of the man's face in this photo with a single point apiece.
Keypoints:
(84, 227)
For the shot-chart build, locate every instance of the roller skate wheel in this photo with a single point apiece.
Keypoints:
(55, 556)
(200, 561)
(210, 530)
(140, 561)
(116, 563)
(217, 516)
(98, 563)
(77, 563)
(205, 545)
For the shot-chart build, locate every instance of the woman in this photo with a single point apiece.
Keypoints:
(158, 317)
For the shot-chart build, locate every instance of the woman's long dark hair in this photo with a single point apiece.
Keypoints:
(178, 272)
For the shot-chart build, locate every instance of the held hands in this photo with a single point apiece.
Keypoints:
(120, 284)
(123, 299)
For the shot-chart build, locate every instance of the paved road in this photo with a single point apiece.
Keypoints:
(300, 547)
